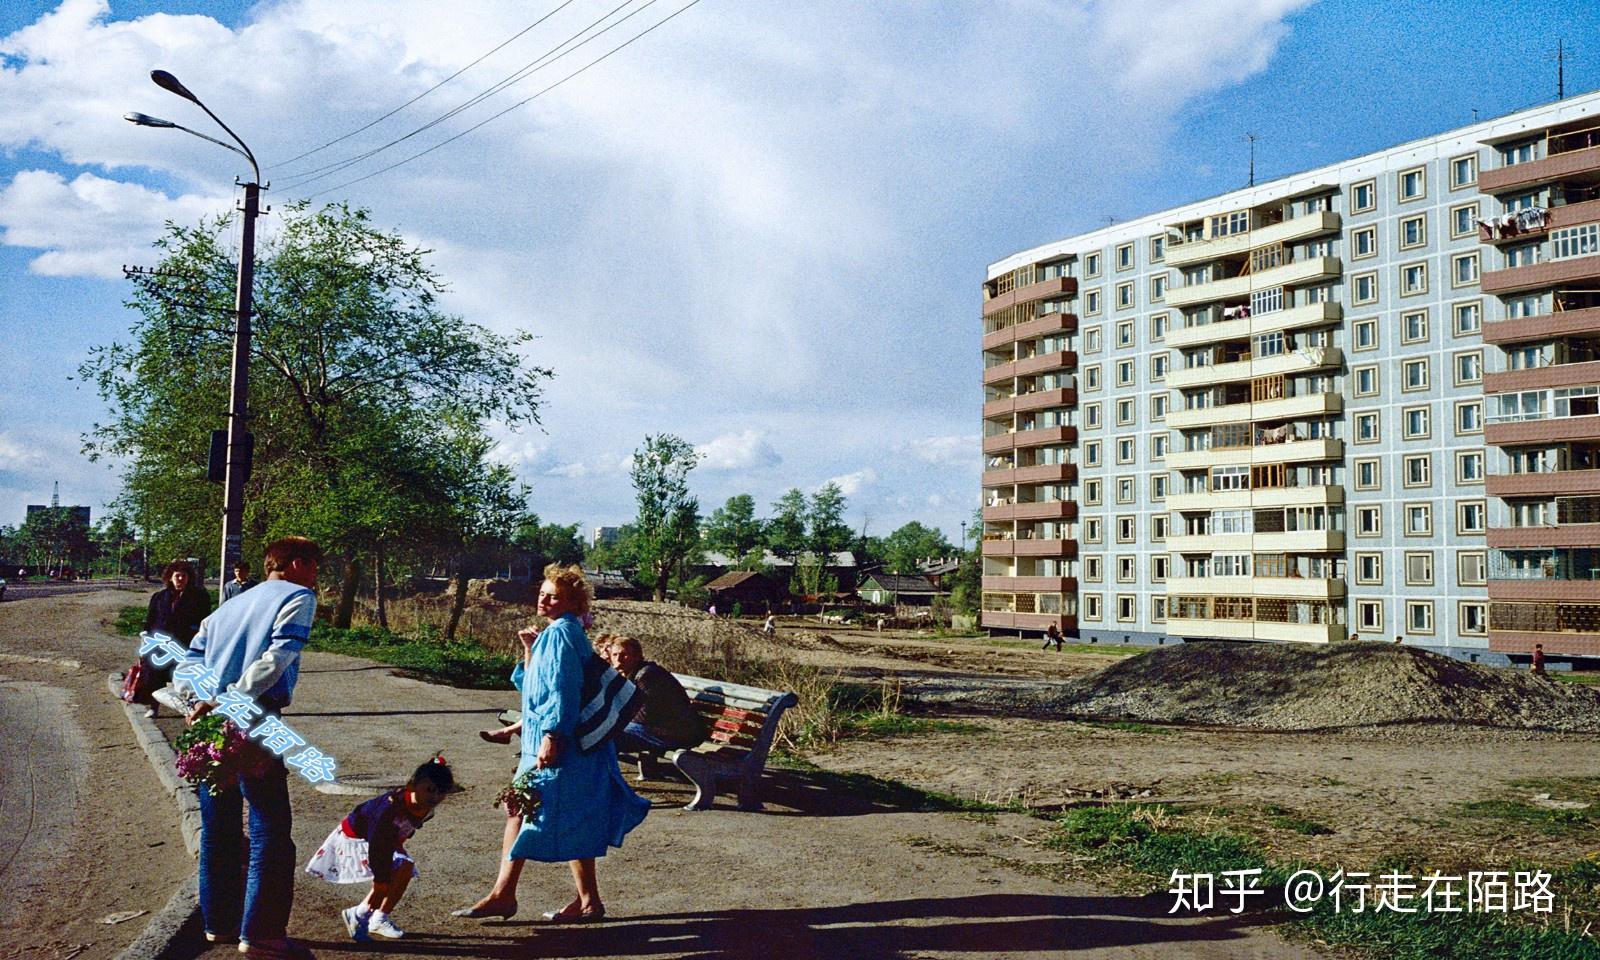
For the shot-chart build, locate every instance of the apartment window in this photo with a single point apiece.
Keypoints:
(1127, 572)
(1418, 519)
(1228, 224)
(1523, 255)
(1091, 453)
(1369, 473)
(1092, 569)
(1468, 318)
(1158, 288)
(1124, 295)
(1269, 300)
(1471, 617)
(1369, 569)
(1124, 412)
(1091, 493)
(1091, 606)
(1463, 171)
(1364, 288)
(1127, 529)
(1158, 407)
(1364, 334)
(1091, 303)
(1158, 249)
(1091, 340)
(1469, 417)
(1091, 378)
(1158, 446)
(1464, 269)
(1414, 326)
(1158, 486)
(1419, 569)
(1091, 530)
(1091, 265)
(1469, 466)
(1415, 423)
(1470, 516)
(1366, 381)
(1158, 327)
(1158, 609)
(1414, 374)
(1159, 524)
(1158, 367)
(1369, 521)
(1363, 243)
(1127, 608)
(1369, 616)
(1125, 450)
(1532, 305)
(1091, 416)
(1472, 568)
(1124, 489)
(1463, 220)
(1367, 427)
(1418, 470)
(1419, 616)
(1160, 563)
(1124, 373)
(1364, 196)
(1124, 333)
(1125, 256)
(1413, 232)
(1413, 279)
(1413, 184)
(1571, 242)
(1516, 153)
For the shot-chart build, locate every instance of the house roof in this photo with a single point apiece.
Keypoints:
(895, 583)
(608, 579)
(844, 558)
(734, 578)
(938, 567)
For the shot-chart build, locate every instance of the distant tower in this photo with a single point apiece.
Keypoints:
(55, 496)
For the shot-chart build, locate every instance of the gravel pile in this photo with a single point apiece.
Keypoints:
(1282, 687)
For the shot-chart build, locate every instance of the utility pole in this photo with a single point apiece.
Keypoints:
(1252, 138)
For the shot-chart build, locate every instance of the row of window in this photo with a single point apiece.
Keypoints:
(1417, 519)
(1471, 617)
(1412, 184)
(1416, 423)
(1413, 277)
(1416, 470)
(1412, 231)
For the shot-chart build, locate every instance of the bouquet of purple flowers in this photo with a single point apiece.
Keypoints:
(520, 797)
(217, 754)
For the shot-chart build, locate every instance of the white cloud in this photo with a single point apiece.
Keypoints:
(851, 484)
(746, 450)
(963, 450)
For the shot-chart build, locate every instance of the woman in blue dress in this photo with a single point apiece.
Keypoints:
(585, 805)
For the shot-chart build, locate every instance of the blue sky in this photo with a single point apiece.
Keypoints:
(762, 227)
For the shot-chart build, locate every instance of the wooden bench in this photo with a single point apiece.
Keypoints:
(741, 722)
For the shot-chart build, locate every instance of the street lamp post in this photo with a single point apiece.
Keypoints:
(238, 454)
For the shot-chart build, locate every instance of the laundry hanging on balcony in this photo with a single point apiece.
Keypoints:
(1516, 223)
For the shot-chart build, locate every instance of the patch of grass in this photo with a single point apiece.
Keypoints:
(1547, 820)
(1285, 819)
(903, 725)
(1588, 678)
(129, 621)
(460, 663)
(1130, 726)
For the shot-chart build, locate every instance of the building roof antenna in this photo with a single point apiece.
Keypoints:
(1252, 138)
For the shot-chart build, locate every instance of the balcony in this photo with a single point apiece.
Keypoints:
(1543, 484)
(1024, 402)
(1297, 361)
(1046, 362)
(1029, 329)
(1546, 327)
(1309, 315)
(1044, 510)
(1285, 231)
(1178, 379)
(1057, 287)
(1559, 375)
(1004, 584)
(1558, 167)
(1569, 215)
(1042, 437)
(1211, 629)
(1314, 495)
(1297, 451)
(1213, 500)
(1030, 548)
(1538, 276)
(1001, 620)
(1294, 588)
(1200, 459)
(1210, 543)
(1555, 535)
(1299, 541)
(1288, 408)
(1549, 591)
(1039, 473)
(1555, 644)
(1300, 272)
(1551, 430)
(1300, 632)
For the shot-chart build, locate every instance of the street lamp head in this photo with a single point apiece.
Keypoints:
(169, 83)
(145, 120)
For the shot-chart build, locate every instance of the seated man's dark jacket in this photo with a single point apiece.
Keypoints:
(667, 712)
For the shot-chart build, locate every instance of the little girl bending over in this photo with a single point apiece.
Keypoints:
(370, 844)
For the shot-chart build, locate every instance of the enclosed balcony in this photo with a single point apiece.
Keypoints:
(1054, 287)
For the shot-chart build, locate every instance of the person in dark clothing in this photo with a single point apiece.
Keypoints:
(176, 612)
(668, 720)
(1052, 634)
(239, 584)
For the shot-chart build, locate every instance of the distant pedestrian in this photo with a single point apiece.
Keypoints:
(175, 611)
(712, 609)
(1052, 634)
(1538, 659)
(252, 646)
(239, 584)
(370, 844)
(770, 627)
(1399, 639)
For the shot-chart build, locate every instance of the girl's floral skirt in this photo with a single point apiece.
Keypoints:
(343, 859)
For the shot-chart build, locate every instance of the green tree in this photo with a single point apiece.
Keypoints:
(358, 381)
(966, 593)
(546, 543)
(907, 548)
(786, 529)
(668, 522)
(733, 529)
(619, 554)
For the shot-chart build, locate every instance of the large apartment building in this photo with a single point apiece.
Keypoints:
(1361, 400)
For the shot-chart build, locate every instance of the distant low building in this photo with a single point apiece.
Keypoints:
(612, 585)
(605, 535)
(841, 566)
(894, 588)
(940, 571)
(751, 590)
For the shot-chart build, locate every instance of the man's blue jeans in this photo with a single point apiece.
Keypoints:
(269, 888)
(635, 738)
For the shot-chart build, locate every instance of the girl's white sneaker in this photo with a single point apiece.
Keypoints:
(384, 927)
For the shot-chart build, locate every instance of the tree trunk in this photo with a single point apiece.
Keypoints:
(377, 577)
(347, 592)
(460, 604)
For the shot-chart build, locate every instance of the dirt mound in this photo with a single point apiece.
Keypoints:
(1310, 688)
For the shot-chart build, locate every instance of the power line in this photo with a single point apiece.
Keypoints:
(548, 57)
(424, 93)
(627, 43)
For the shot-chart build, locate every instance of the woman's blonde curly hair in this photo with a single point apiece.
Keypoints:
(572, 586)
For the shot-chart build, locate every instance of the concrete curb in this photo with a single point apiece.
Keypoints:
(164, 928)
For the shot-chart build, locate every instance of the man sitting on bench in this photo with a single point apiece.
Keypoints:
(667, 721)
